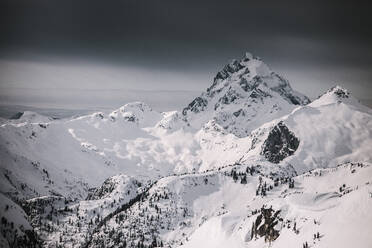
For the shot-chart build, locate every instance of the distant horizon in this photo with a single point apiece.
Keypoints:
(8, 110)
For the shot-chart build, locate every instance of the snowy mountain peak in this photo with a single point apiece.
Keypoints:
(339, 92)
(136, 112)
(245, 94)
(137, 107)
(248, 55)
(253, 66)
(336, 95)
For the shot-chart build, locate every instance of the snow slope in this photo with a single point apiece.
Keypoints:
(181, 211)
(335, 203)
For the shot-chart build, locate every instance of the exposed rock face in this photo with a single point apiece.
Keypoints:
(339, 91)
(265, 223)
(280, 144)
(197, 105)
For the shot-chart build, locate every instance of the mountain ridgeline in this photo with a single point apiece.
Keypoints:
(244, 95)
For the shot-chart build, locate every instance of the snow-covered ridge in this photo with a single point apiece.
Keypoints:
(136, 112)
(337, 95)
(333, 129)
(27, 117)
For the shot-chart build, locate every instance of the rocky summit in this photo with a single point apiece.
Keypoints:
(244, 95)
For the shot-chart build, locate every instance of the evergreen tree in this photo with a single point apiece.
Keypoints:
(243, 180)
(253, 230)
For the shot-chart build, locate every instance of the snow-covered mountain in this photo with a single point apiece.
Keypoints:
(244, 95)
(333, 129)
(242, 162)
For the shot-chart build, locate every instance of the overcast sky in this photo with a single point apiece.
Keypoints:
(91, 54)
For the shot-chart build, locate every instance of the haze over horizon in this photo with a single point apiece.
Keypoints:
(88, 55)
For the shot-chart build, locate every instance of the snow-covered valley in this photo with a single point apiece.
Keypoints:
(248, 163)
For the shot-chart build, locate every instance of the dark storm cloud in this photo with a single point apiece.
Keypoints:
(152, 28)
(197, 36)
